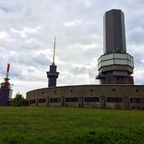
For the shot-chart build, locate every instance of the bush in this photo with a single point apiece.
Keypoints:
(18, 100)
(66, 105)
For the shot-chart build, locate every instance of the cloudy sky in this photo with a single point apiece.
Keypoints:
(28, 28)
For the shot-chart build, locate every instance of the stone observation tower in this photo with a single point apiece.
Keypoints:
(115, 66)
(52, 75)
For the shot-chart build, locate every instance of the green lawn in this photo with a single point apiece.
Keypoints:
(61, 125)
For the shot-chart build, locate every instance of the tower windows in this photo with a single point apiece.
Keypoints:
(119, 78)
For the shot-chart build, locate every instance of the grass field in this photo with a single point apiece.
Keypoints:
(42, 125)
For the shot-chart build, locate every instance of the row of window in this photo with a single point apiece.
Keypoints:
(137, 100)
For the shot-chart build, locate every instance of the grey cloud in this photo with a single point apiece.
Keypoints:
(31, 70)
(78, 71)
(92, 72)
(41, 59)
(9, 6)
(136, 36)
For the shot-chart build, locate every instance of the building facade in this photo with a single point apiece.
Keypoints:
(124, 97)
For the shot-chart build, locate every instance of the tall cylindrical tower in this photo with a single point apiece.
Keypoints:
(115, 66)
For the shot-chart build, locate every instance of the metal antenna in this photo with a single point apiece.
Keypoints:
(7, 74)
(54, 51)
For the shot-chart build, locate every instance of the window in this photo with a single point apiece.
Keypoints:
(42, 92)
(57, 99)
(137, 90)
(33, 101)
(137, 100)
(40, 100)
(141, 100)
(91, 90)
(95, 99)
(119, 78)
(110, 99)
(138, 108)
(113, 90)
(133, 107)
(118, 99)
(67, 99)
(71, 90)
(133, 100)
(55, 91)
(142, 108)
(75, 99)
(54, 100)
(43, 100)
(87, 99)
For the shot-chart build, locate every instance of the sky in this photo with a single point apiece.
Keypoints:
(28, 29)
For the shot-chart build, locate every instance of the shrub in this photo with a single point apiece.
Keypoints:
(66, 105)
(18, 100)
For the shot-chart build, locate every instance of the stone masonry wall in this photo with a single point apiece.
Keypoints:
(131, 96)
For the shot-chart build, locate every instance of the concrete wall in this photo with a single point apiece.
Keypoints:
(103, 92)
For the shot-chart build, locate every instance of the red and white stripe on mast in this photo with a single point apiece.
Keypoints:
(54, 51)
(7, 74)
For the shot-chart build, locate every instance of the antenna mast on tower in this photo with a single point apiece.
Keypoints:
(7, 74)
(54, 51)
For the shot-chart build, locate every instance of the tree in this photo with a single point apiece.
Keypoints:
(18, 100)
